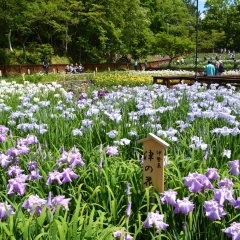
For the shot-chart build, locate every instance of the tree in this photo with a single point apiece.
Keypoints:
(223, 16)
(170, 15)
(209, 40)
(172, 46)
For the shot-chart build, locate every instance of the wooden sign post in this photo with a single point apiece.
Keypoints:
(153, 165)
(83, 87)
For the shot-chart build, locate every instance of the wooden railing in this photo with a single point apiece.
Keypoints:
(169, 81)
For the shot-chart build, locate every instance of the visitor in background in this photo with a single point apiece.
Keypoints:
(67, 68)
(209, 69)
(135, 65)
(46, 65)
(72, 70)
(182, 60)
(79, 69)
(145, 64)
(76, 68)
(218, 70)
(197, 61)
(235, 65)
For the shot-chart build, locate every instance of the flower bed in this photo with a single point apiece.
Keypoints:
(71, 166)
(136, 78)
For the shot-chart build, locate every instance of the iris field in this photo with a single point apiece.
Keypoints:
(71, 168)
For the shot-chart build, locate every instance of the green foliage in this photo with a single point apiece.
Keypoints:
(93, 31)
(98, 196)
(172, 46)
(46, 50)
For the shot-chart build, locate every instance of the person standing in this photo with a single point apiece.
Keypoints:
(235, 65)
(135, 65)
(210, 69)
(46, 65)
(219, 67)
(145, 64)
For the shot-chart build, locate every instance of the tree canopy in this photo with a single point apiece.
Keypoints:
(104, 30)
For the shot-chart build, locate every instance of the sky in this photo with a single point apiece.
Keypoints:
(201, 5)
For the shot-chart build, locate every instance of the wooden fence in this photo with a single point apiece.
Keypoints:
(34, 68)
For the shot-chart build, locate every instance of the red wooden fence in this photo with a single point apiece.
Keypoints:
(34, 68)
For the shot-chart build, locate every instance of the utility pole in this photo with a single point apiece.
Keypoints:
(196, 43)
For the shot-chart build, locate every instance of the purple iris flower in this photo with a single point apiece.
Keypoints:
(196, 182)
(101, 93)
(75, 159)
(34, 175)
(49, 200)
(74, 150)
(128, 191)
(5, 210)
(112, 150)
(2, 138)
(184, 206)
(169, 196)
(32, 165)
(112, 134)
(34, 204)
(100, 166)
(14, 171)
(234, 167)
(5, 160)
(101, 149)
(54, 176)
(118, 234)
(213, 210)
(155, 220)
(13, 152)
(226, 182)
(23, 149)
(233, 231)
(31, 139)
(81, 97)
(236, 203)
(68, 175)
(3, 129)
(17, 185)
(223, 194)
(60, 200)
(129, 208)
(206, 155)
(64, 156)
(212, 174)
